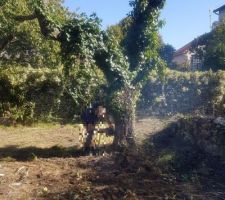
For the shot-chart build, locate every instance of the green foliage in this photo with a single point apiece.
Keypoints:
(28, 62)
(28, 93)
(27, 46)
(119, 31)
(166, 52)
(184, 92)
(211, 48)
(125, 60)
(215, 49)
(38, 94)
(142, 41)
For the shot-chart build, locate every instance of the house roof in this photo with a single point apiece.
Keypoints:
(219, 9)
(183, 49)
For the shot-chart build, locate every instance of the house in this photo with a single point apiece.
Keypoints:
(182, 56)
(185, 59)
(221, 13)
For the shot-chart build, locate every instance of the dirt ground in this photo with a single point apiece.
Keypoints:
(53, 170)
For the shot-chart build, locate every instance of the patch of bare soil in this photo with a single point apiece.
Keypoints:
(82, 178)
(108, 177)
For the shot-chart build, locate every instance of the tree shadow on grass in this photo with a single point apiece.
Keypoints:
(17, 153)
(177, 145)
(114, 177)
(30, 153)
(175, 153)
(168, 166)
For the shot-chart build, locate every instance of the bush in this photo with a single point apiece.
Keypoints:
(185, 92)
(29, 94)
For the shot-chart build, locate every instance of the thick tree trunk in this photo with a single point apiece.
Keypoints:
(124, 132)
(124, 126)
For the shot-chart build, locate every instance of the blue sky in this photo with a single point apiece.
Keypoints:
(185, 20)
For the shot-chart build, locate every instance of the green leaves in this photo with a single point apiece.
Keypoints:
(210, 48)
(125, 60)
(2, 3)
(27, 47)
(215, 49)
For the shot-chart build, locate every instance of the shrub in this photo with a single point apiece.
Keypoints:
(185, 92)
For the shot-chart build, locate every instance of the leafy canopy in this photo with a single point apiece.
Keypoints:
(210, 47)
(125, 64)
(22, 43)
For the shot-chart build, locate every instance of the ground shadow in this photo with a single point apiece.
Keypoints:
(178, 148)
(176, 154)
(117, 177)
(31, 153)
(167, 167)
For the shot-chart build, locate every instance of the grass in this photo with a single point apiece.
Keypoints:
(39, 135)
(165, 158)
(40, 125)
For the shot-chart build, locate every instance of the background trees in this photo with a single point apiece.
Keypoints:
(24, 44)
(31, 68)
(166, 52)
(210, 47)
(215, 49)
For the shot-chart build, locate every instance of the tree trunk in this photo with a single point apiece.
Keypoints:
(124, 125)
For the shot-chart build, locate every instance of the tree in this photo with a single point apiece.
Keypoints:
(119, 31)
(22, 43)
(125, 65)
(166, 52)
(210, 47)
(215, 49)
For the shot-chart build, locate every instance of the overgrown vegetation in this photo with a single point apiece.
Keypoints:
(210, 47)
(37, 94)
(184, 92)
(84, 45)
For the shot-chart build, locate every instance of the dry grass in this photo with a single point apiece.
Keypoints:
(42, 136)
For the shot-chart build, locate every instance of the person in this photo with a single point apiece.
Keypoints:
(90, 117)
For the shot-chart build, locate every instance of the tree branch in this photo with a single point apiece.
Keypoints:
(23, 18)
(47, 28)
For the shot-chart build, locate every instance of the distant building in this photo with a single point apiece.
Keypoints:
(221, 13)
(185, 59)
(182, 57)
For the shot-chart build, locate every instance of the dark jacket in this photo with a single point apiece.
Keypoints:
(89, 116)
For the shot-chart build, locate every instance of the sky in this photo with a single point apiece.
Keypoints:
(184, 19)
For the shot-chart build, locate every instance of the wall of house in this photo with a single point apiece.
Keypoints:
(222, 15)
(181, 59)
